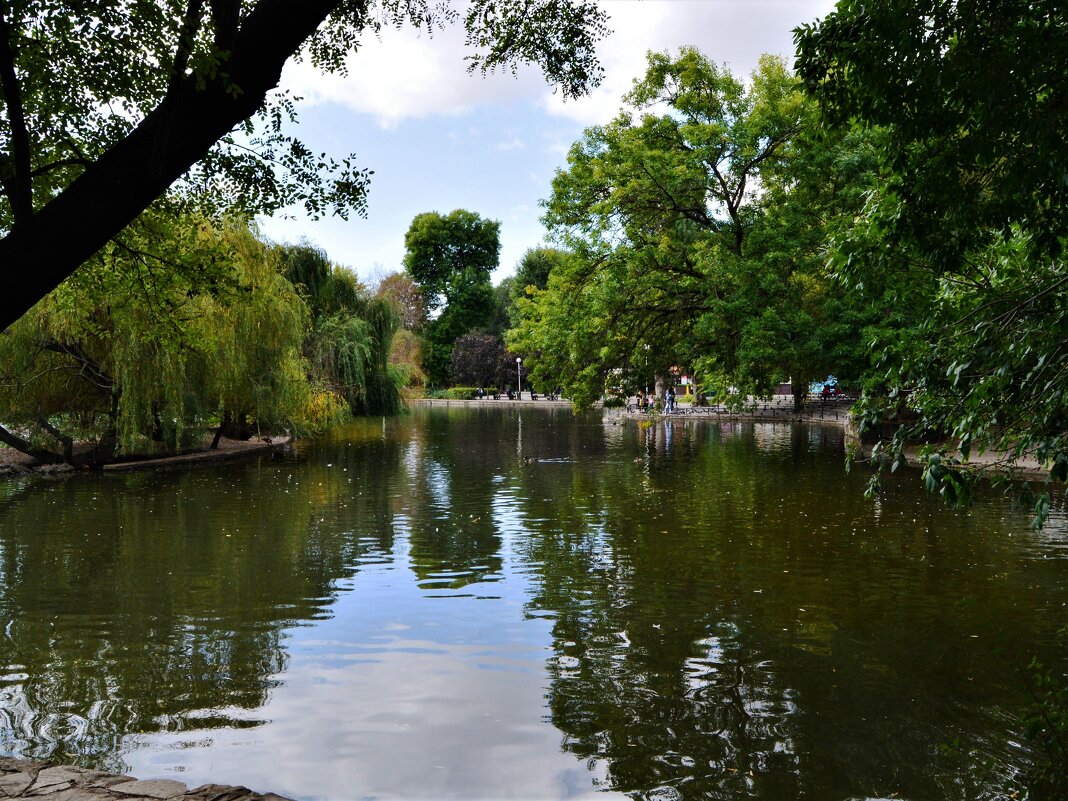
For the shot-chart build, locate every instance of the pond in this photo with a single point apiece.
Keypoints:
(519, 603)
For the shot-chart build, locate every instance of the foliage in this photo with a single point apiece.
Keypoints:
(967, 226)
(381, 393)
(695, 238)
(475, 358)
(406, 358)
(1047, 724)
(351, 337)
(461, 393)
(451, 257)
(446, 253)
(185, 321)
(534, 268)
(973, 95)
(154, 92)
(407, 299)
(510, 372)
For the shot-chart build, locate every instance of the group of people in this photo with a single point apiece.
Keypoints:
(648, 402)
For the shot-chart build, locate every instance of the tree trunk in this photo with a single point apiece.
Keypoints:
(48, 246)
(800, 390)
(104, 450)
(59, 436)
(217, 437)
(21, 445)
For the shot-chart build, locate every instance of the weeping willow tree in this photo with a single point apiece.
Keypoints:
(179, 324)
(351, 335)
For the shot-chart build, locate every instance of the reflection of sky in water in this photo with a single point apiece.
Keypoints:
(453, 605)
(397, 696)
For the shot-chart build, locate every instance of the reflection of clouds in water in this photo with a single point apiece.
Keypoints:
(412, 458)
(404, 707)
(682, 627)
(438, 485)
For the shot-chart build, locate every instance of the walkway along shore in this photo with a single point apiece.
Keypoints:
(503, 402)
(21, 778)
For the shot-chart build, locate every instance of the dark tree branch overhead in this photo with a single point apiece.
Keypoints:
(225, 14)
(18, 183)
(151, 89)
(47, 247)
(190, 26)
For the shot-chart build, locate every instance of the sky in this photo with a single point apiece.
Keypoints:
(438, 138)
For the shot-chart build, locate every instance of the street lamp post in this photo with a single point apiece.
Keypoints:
(519, 374)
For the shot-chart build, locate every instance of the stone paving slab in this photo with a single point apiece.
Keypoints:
(20, 778)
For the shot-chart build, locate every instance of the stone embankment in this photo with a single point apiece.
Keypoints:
(40, 780)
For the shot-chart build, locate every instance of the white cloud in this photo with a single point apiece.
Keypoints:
(735, 32)
(514, 143)
(408, 74)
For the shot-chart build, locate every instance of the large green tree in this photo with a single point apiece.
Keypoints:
(972, 97)
(104, 106)
(351, 333)
(696, 231)
(144, 343)
(451, 256)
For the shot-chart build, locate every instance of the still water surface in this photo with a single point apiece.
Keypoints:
(483, 603)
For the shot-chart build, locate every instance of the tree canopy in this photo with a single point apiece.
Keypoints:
(157, 92)
(127, 350)
(967, 227)
(407, 299)
(190, 324)
(695, 232)
(451, 257)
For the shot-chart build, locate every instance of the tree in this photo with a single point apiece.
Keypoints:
(407, 299)
(447, 253)
(137, 346)
(973, 209)
(531, 272)
(973, 96)
(351, 334)
(503, 301)
(451, 257)
(534, 268)
(153, 92)
(474, 360)
(696, 237)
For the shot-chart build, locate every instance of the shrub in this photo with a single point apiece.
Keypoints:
(460, 393)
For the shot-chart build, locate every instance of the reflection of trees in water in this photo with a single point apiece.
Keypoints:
(158, 602)
(653, 677)
(731, 623)
(449, 498)
(452, 484)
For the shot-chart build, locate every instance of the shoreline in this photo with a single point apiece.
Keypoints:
(503, 402)
(24, 778)
(778, 410)
(15, 463)
(836, 413)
